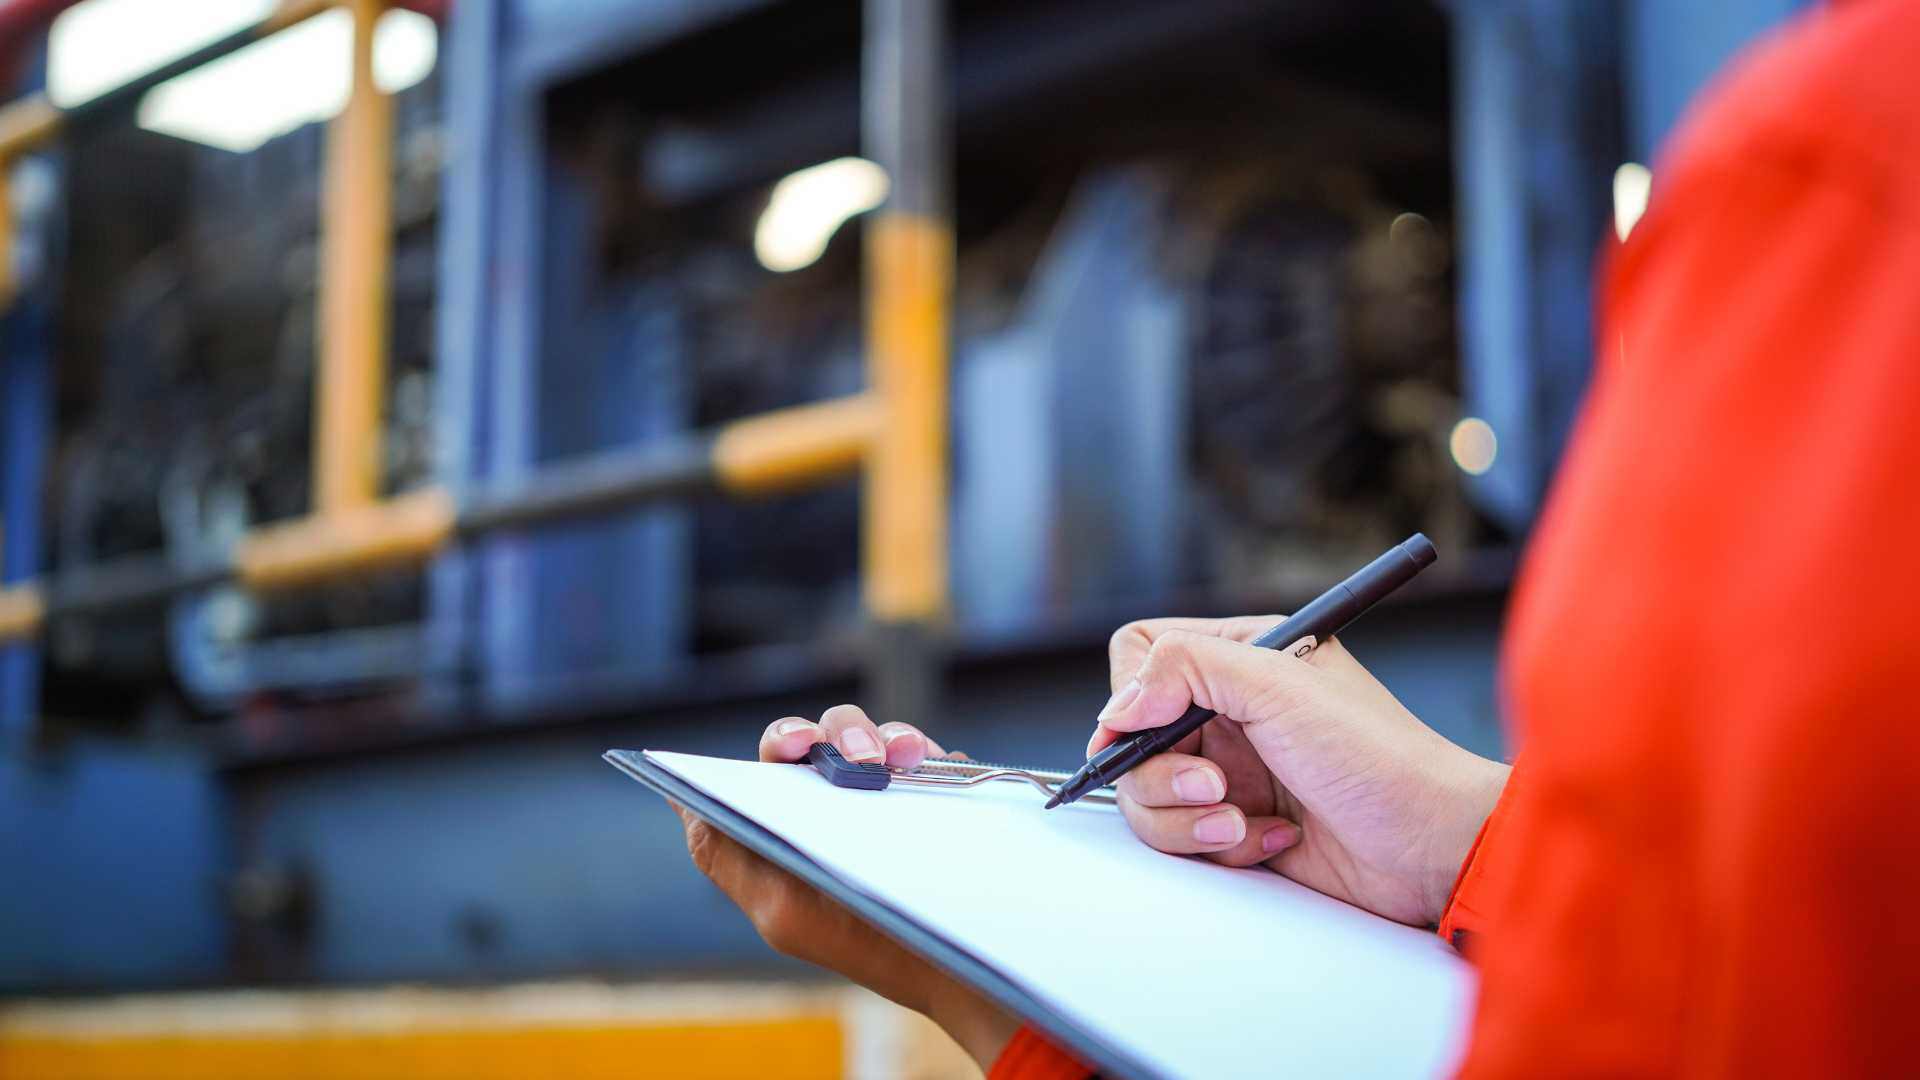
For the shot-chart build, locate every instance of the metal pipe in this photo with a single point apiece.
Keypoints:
(791, 447)
(356, 249)
(405, 529)
(781, 450)
(776, 451)
(909, 277)
(133, 581)
(598, 485)
(909, 285)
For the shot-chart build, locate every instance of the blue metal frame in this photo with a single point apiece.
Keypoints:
(525, 324)
(1535, 142)
(1674, 50)
(26, 419)
(113, 856)
(471, 46)
(26, 396)
(1549, 98)
(557, 39)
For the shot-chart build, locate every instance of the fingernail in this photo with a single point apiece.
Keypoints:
(1090, 738)
(896, 733)
(858, 745)
(788, 727)
(1304, 646)
(1222, 827)
(1120, 700)
(1198, 785)
(1278, 838)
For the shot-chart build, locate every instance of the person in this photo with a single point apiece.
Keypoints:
(1702, 860)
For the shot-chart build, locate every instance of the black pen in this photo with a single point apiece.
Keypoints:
(1326, 616)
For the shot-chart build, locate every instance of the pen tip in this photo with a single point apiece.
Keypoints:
(1051, 803)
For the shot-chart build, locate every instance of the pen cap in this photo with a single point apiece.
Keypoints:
(1394, 568)
(1340, 605)
(1420, 550)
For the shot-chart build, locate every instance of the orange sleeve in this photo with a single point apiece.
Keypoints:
(1029, 1056)
(1708, 868)
(1471, 909)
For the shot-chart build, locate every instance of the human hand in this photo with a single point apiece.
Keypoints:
(1312, 767)
(800, 921)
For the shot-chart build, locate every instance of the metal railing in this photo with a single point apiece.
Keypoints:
(896, 430)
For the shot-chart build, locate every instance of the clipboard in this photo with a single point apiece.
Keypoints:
(1241, 972)
(922, 940)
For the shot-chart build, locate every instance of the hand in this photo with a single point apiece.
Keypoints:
(1312, 767)
(796, 919)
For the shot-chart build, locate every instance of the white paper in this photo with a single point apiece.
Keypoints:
(1196, 969)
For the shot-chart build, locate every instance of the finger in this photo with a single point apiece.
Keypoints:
(714, 853)
(1104, 736)
(789, 739)
(906, 746)
(1186, 830)
(1174, 780)
(1304, 649)
(1266, 837)
(1231, 678)
(856, 736)
(1128, 647)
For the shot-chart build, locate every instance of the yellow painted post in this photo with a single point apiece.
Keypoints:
(909, 274)
(357, 237)
(909, 282)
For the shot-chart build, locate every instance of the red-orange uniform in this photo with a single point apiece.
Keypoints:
(1708, 860)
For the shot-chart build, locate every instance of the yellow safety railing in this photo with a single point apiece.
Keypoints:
(898, 429)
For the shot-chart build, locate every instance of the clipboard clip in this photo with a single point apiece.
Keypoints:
(936, 772)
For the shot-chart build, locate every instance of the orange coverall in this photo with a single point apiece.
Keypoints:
(1707, 859)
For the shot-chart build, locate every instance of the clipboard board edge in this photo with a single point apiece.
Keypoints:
(912, 935)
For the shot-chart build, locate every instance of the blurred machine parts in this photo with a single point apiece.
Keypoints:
(1204, 347)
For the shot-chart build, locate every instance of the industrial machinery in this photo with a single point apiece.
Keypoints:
(1277, 398)
(1225, 280)
(187, 359)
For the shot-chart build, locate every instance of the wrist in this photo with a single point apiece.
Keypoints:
(982, 1028)
(1470, 796)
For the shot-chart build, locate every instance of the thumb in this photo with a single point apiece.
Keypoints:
(1236, 680)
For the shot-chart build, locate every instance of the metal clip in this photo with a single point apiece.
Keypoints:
(943, 773)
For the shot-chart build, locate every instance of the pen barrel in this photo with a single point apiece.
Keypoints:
(1161, 739)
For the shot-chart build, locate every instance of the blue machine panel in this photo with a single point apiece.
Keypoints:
(1070, 425)
(113, 856)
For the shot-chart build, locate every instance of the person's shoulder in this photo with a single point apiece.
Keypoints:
(1836, 91)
